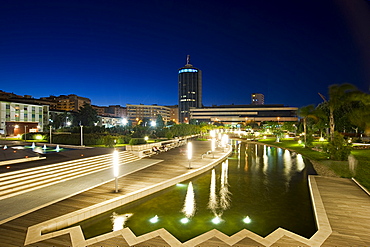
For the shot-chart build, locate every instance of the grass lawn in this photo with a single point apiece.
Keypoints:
(361, 172)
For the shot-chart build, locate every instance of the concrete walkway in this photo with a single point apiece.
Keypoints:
(347, 206)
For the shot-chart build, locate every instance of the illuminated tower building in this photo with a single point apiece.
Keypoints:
(190, 90)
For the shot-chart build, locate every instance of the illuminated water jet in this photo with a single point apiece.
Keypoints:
(119, 220)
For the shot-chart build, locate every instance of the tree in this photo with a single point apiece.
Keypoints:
(306, 112)
(87, 116)
(360, 116)
(338, 95)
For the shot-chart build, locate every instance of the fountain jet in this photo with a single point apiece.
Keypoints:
(119, 220)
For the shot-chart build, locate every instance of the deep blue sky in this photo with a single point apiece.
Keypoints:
(119, 52)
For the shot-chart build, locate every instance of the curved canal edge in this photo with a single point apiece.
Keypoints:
(50, 229)
(35, 233)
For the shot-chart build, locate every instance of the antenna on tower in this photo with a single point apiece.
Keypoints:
(188, 59)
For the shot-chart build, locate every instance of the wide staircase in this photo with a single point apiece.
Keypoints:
(18, 182)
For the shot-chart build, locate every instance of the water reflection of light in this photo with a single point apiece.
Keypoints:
(287, 162)
(247, 220)
(212, 204)
(265, 159)
(224, 191)
(189, 205)
(300, 162)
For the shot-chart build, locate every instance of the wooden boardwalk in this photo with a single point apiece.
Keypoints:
(347, 208)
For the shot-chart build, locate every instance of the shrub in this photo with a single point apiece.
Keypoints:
(339, 148)
(137, 141)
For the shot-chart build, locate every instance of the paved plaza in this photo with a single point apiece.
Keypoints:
(346, 206)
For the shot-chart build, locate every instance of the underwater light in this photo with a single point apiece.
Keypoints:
(216, 220)
(247, 220)
(184, 220)
(154, 219)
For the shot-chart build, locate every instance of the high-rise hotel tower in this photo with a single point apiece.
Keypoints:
(190, 90)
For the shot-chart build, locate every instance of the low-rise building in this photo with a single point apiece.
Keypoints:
(136, 113)
(17, 118)
(234, 114)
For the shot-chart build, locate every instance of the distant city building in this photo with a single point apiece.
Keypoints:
(190, 90)
(117, 111)
(100, 110)
(258, 99)
(234, 114)
(69, 102)
(17, 118)
(137, 113)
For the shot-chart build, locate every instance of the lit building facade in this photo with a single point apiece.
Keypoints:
(17, 118)
(257, 99)
(174, 113)
(234, 114)
(190, 90)
(135, 113)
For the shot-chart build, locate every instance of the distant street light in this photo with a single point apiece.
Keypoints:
(190, 153)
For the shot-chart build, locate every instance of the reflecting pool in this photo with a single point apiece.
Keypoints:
(258, 188)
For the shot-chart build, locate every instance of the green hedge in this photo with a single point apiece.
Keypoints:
(90, 139)
(137, 141)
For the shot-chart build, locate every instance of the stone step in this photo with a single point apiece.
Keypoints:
(51, 174)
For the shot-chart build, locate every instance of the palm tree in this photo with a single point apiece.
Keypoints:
(338, 95)
(306, 112)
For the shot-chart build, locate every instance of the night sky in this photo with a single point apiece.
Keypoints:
(119, 52)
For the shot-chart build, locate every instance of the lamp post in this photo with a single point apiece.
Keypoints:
(50, 134)
(82, 138)
(190, 153)
(25, 132)
(115, 169)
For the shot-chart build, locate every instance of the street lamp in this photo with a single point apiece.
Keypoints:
(115, 169)
(50, 134)
(25, 132)
(82, 139)
(190, 153)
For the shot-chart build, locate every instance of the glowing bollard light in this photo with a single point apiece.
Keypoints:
(115, 168)
(213, 147)
(190, 153)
